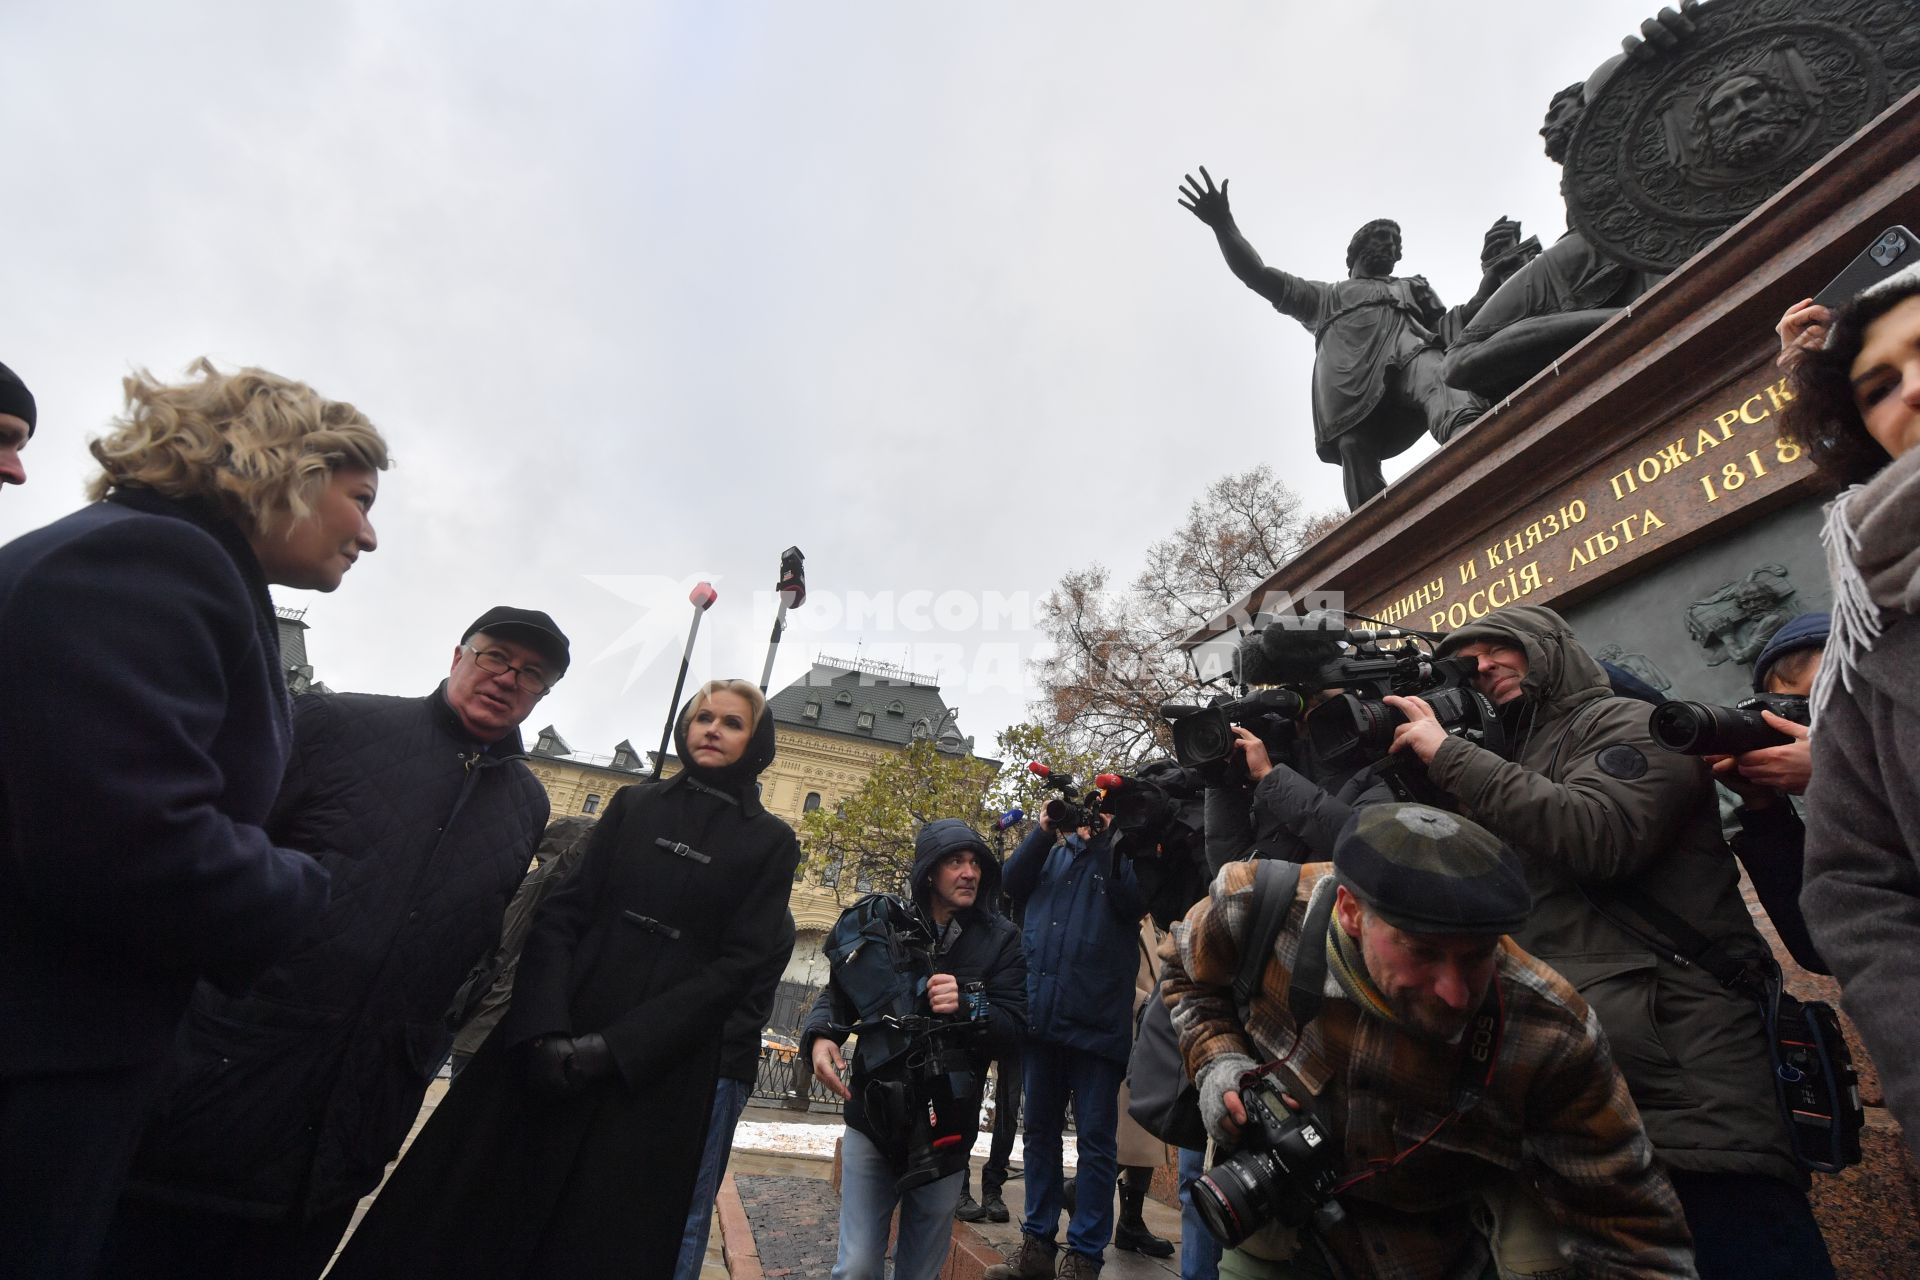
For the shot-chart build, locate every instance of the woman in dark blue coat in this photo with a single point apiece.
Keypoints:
(143, 732)
(570, 1144)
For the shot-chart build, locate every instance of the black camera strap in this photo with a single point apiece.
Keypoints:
(1760, 980)
(1673, 939)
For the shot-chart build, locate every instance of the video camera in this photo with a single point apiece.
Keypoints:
(1068, 811)
(1354, 727)
(1146, 813)
(1702, 729)
(1203, 736)
(933, 1105)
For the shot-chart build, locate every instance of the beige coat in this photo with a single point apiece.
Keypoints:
(1139, 1148)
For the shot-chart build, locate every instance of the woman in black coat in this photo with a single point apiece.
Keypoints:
(570, 1144)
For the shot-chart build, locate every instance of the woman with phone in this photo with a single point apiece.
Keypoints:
(1857, 413)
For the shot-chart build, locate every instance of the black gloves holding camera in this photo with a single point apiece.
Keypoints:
(565, 1065)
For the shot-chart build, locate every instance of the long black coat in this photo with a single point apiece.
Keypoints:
(652, 947)
(290, 1100)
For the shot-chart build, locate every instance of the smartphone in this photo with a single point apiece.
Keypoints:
(1892, 250)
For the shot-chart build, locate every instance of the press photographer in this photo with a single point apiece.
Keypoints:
(1083, 904)
(1759, 750)
(1619, 838)
(1434, 1097)
(935, 987)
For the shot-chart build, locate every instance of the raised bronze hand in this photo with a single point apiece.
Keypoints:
(1207, 203)
(1662, 33)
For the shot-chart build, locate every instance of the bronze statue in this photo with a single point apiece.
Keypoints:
(1667, 146)
(1574, 287)
(1552, 302)
(1377, 381)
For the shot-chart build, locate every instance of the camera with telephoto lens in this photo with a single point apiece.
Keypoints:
(1702, 729)
(1281, 1172)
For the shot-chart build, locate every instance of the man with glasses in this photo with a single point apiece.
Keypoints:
(290, 1100)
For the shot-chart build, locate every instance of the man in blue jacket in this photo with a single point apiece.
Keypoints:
(955, 882)
(1083, 909)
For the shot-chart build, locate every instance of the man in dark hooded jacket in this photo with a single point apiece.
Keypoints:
(955, 882)
(1605, 820)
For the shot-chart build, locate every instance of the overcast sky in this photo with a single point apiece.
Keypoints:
(643, 293)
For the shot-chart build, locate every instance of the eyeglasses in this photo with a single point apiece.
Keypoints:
(532, 679)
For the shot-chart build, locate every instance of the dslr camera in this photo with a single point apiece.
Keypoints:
(1282, 1172)
(1702, 729)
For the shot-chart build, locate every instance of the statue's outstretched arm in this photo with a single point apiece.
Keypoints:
(1209, 204)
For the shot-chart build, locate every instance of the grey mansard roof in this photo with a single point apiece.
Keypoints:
(866, 700)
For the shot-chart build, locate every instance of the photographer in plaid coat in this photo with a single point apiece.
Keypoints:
(1467, 1096)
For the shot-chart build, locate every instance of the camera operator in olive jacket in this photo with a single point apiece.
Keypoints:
(1600, 814)
(954, 883)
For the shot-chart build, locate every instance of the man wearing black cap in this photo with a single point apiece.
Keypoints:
(17, 419)
(1463, 1094)
(291, 1099)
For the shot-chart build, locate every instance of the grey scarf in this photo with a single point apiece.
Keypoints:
(1872, 537)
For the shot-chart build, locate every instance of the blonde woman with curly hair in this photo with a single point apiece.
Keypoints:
(143, 734)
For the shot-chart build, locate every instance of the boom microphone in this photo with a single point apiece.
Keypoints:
(1287, 655)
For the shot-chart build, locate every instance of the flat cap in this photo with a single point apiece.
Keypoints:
(528, 626)
(1429, 871)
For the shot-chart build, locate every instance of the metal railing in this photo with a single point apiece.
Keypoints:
(777, 1080)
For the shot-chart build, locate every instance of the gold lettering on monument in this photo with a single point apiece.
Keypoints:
(1721, 457)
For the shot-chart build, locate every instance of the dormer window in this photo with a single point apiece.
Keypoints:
(812, 711)
(864, 721)
(896, 708)
(844, 698)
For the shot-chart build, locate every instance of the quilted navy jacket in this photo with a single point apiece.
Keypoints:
(293, 1097)
(1082, 938)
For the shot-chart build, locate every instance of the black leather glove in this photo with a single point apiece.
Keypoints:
(549, 1063)
(592, 1060)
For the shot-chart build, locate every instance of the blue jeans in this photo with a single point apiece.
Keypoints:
(1199, 1251)
(1055, 1073)
(729, 1100)
(867, 1199)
